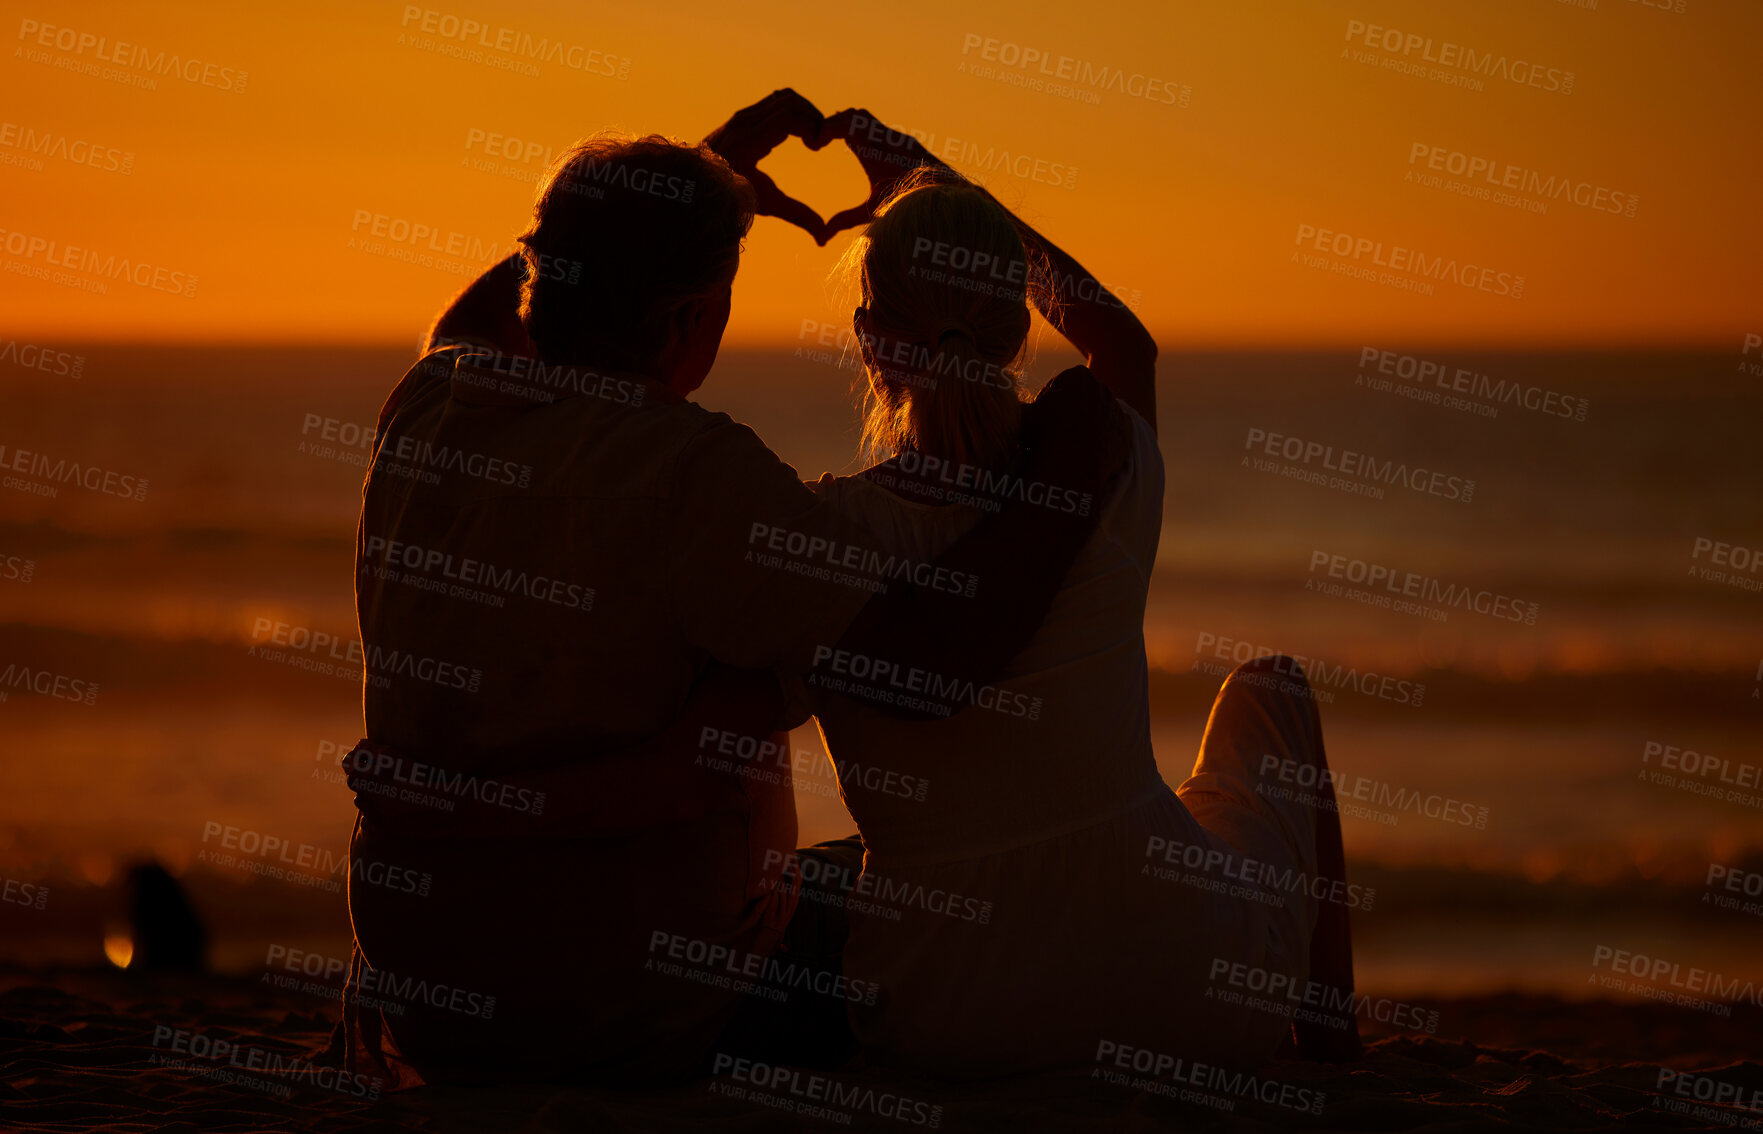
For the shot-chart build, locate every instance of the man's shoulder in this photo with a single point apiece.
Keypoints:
(658, 446)
(716, 428)
(716, 445)
(675, 430)
(426, 378)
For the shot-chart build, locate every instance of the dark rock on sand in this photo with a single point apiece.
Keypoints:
(168, 933)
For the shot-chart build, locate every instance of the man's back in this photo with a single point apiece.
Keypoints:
(539, 583)
(518, 543)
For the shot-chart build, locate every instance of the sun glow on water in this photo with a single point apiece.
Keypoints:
(119, 948)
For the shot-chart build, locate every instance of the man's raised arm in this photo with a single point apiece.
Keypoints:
(1074, 445)
(486, 313)
(766, 574)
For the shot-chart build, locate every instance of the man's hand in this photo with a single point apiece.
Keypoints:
(1075, 437)
(754, 132)
(886, 156)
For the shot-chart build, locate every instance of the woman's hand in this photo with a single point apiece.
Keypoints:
(886, 156)
(754, 132)
(1121, 354)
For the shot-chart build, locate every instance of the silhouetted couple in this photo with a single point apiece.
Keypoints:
(596, 607)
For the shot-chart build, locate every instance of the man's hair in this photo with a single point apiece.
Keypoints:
(625, 232)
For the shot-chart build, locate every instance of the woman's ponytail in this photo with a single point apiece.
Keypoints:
(944, 281)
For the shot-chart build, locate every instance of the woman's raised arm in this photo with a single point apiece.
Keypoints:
(1121, 354)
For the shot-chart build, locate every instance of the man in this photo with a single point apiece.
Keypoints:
(571, 618)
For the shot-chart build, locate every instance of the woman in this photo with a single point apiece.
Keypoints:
(1048, 895)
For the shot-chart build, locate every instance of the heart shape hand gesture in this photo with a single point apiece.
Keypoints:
(757, 130)
(886, 156)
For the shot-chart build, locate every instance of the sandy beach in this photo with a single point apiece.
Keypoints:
(91, 1049)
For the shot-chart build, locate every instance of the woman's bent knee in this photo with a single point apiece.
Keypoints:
(1283, 701)
(1275, 673)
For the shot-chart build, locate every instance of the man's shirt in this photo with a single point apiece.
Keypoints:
(546, 560)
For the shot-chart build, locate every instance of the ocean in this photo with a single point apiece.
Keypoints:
(1523, 585)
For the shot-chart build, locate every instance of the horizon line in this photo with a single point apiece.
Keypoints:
(1735, 345)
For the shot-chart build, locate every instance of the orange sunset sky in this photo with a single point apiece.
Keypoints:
(354, 108)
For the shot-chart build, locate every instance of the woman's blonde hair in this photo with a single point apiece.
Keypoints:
(946, 280)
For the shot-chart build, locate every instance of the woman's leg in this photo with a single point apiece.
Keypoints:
(1261, 786)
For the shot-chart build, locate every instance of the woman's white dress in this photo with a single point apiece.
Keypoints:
(1039, 891)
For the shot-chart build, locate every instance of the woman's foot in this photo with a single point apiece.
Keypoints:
(1331, 1035)
(1331, 1032)
(1278, 707)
